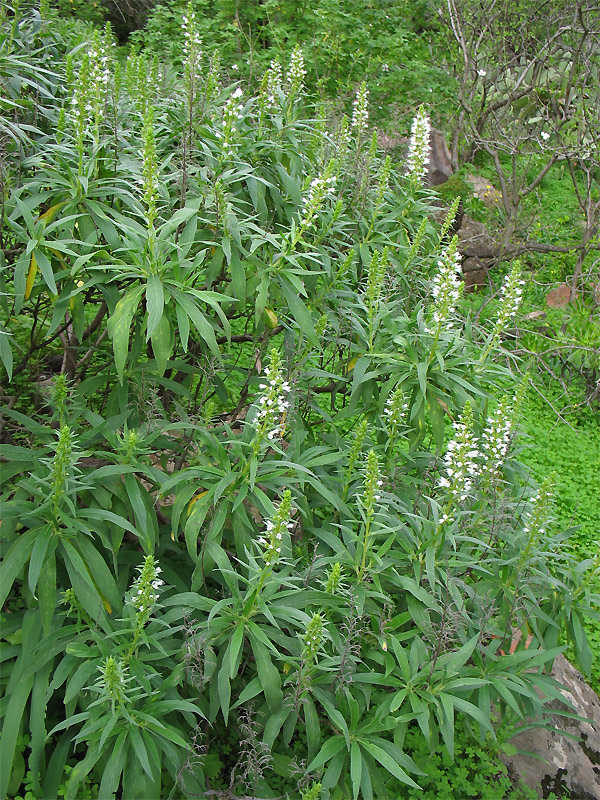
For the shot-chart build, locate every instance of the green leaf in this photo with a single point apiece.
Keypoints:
(198, 319)
(224, 688)
(111, 775)
(386, 760)
(269, 676)
(356, 767)
(119, 325)
(47, 590)
(14, 561)
(155, 301)
(238, 277)
(235, 647)
(6, 355)
(17, 693)
(329, 749)
(299, 311)
(46, 269)
(161, 344)
(38, 554)
(140, 749)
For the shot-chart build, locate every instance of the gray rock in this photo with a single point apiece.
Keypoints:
(474, 240)
(440, 164)
(570, 756)
(474, 273)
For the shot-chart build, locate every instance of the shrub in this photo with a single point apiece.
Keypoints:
(233, 516)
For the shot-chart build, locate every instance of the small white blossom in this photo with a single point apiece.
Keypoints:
(482, 73)
(320, 188)
(296, 72)
(360, 114)
(419, 147)
(273, 84)
(447, 286)
(191, 37)
(496, 438)
(460, 463)
(275, 528)
(273, 405)
(511, 295)
(545, 135)
(142, 594)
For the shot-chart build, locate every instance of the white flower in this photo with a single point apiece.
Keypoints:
(482, 73)
(275, 528)
(446, 287)
(360, 114)
(320, 188)
(272, 405)
(545, 135)
(511, 295)
(238, 93)
(460, 461)
(419, 148)
(296, 71)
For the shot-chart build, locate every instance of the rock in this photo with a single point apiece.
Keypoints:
(535, 315)
(484, 190)
(474, 240)
(474, 274)
(440, 165)
(559, 297)
(570, 756)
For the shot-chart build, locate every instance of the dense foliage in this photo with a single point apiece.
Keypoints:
(262, 529)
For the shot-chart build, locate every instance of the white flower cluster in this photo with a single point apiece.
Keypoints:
(99, 64)
(315, 633)
(296, 71)
(395, 410)
(511, 295)
(273, 404)
(460, 462)
(191, 37)
(495, 439)
(373, 484)
(447, 287)
(344, 138)
(232, 111)
(419, 147)
(272, 539)
(320, 187)
(273, 86)
(144, 592)
(360, 114)
(536, 520)
(91, 87)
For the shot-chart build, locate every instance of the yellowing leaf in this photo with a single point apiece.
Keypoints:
(271, 318)
(49, 215)
(31, 276)
(106, 605)
(352, 364)
(193, 500)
